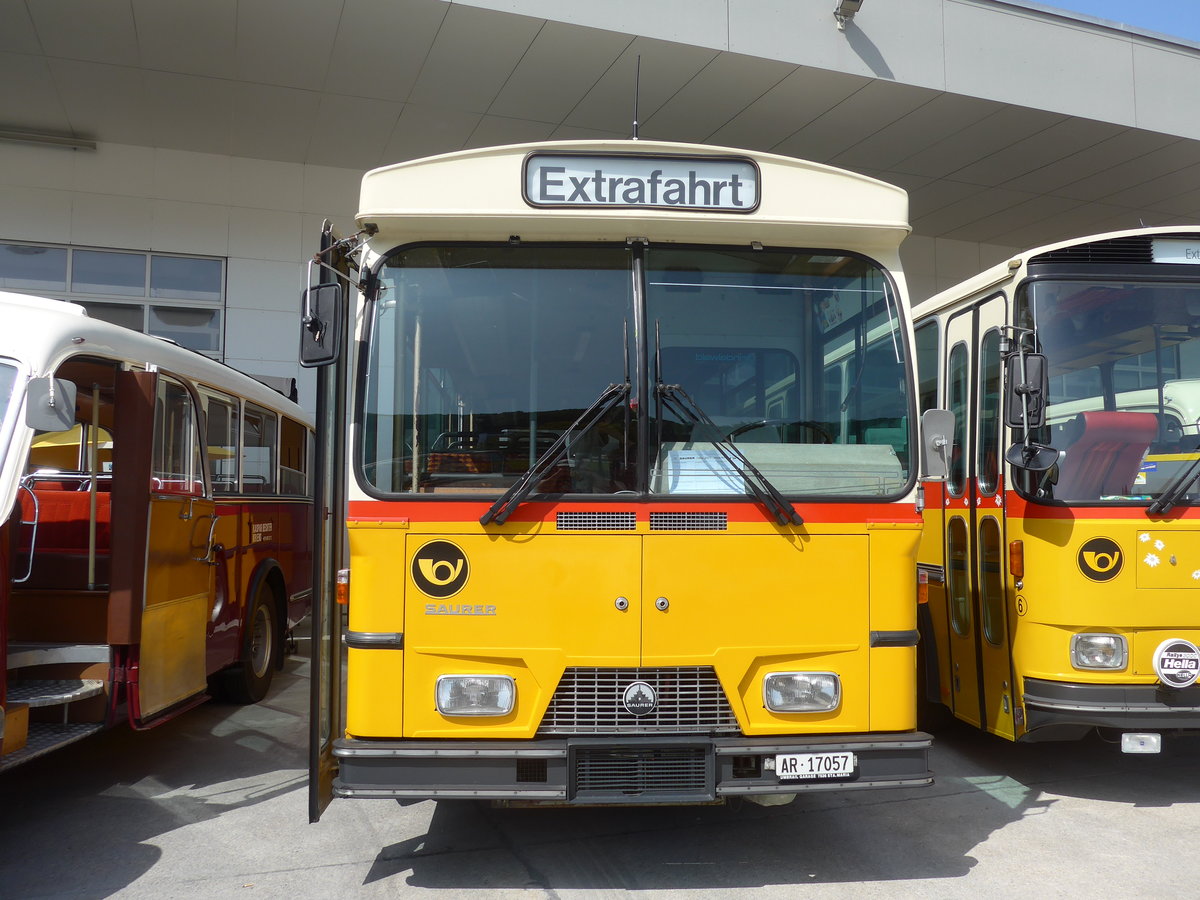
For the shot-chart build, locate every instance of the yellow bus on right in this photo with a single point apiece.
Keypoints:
(1059, 576)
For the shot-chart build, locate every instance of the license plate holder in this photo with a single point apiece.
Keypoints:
(815, 766)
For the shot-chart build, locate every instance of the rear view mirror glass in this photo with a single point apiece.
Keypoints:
(50, 404)
(1028, 384)
(937, 437)
(321, 325)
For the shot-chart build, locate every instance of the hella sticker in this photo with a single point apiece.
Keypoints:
(1177, 663)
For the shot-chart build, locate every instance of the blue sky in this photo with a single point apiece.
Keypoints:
(1180, 18)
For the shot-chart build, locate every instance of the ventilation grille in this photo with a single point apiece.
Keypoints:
(688, 521)
(690, 701)
(1136, 249)
(597, 521)
(662, 770)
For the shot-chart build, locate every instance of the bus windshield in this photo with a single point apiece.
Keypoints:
(480, 357)
(1124, 365)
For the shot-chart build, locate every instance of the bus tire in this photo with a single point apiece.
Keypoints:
(250, 678)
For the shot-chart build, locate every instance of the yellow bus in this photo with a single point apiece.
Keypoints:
(1060, 565)
(626, 443)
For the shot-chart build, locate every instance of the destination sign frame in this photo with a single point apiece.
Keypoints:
(676, 183)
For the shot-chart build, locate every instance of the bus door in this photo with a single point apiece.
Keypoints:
(179, 548)
(976, 564)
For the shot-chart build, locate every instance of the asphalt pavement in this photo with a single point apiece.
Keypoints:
(214, 804)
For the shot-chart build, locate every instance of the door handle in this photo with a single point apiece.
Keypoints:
(208, 558)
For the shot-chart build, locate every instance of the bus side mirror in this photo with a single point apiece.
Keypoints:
(937, 437)
(1025, 408)
(321, 325)
(50, 404)
(1028, 384)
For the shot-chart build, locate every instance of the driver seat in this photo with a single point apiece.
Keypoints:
(1107, 455)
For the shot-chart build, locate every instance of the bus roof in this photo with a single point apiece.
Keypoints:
(1016, 263)
(40, 333)
(479, 195)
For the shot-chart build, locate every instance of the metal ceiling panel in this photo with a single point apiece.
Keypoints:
(860, 116)
(562, 65)
(381, 46)
(36, 105)
(188, 38)
(802, 96)
(472, 57)
(100, 31)
(717, 93)
(918, 131)
(426, 130)
(298, 50)
(104, 100)
(272, 122)
(189, 112)
(353, 131)
(666, 68)
(961, 148)
(18, 34)
(493, 131)
(1007, 165)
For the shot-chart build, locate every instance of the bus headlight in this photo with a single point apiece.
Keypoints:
(475, 695)
(802, 691)
(1098, 651)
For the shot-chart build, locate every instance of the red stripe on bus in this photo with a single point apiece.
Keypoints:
(1022, 508)
(462, 511)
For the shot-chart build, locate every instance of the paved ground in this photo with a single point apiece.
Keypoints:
(214, 804)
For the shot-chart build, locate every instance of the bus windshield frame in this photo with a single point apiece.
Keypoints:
(797, 357)
(1123, 357)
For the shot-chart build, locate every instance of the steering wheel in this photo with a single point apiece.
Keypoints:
(816, 428)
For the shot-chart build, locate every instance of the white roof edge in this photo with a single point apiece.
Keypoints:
(632, 146)
(1000, 271)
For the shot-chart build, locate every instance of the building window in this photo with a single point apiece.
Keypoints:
(181, 298)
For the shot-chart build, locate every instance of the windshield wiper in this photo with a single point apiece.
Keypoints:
(1177, 488)
(681, 403)
(499, 511)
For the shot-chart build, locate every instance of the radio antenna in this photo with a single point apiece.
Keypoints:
(637, 86)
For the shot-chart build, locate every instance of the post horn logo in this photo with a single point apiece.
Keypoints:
(440, 569)
(1100, 559)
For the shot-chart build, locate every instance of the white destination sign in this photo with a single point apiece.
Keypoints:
(715, 183)
(1177, 251)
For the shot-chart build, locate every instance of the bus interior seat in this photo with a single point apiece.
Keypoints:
(63, 512)
(1103, 453)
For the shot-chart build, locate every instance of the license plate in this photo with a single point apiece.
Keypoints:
(812, 766)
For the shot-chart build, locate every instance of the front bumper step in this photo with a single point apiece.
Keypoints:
(620, 770)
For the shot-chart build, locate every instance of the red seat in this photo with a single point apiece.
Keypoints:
(61, 548)
(1106, 457)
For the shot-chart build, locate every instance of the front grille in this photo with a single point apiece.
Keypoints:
(596, 521)
(689, 521)
(690, 701)
(654, 770)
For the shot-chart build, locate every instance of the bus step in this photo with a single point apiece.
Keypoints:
(47, 736)
(21, 654)
(37, 692)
